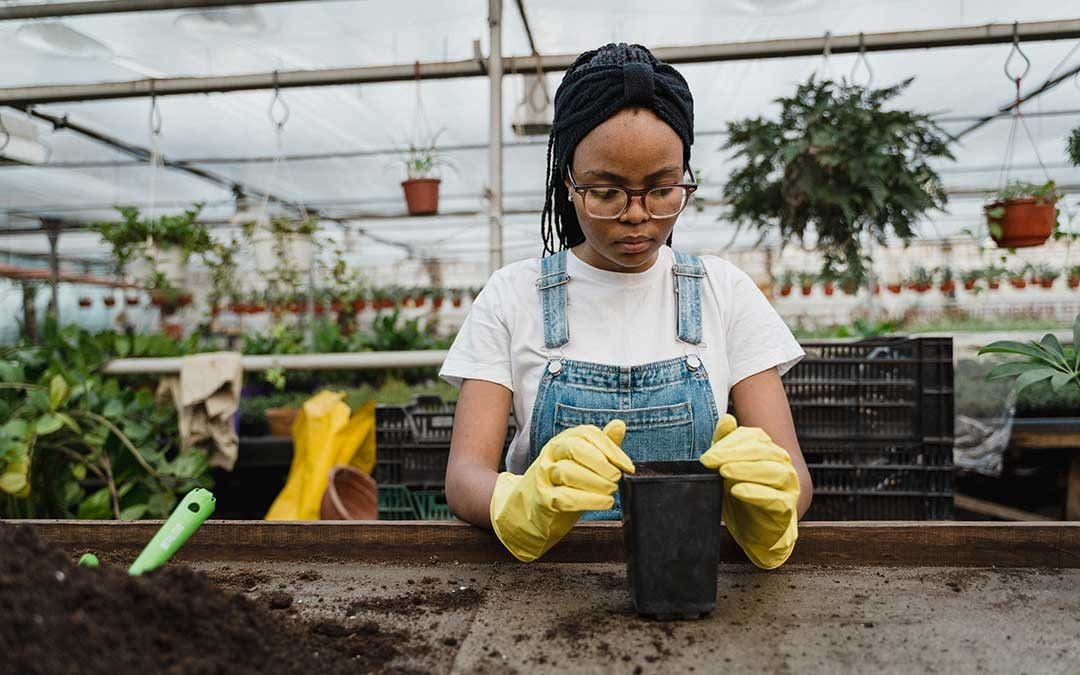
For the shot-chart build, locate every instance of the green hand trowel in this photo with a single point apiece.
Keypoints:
(188, 515)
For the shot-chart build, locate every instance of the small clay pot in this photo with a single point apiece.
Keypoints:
(969, 285)
(1074, 282)
(1046, 283)
(1018, 283)
(671, 563)
(947, 286)
(85, 302)
(829, 289)
(131, 300)
(437, 302)
(421, 195)
(350, 494)
(280, 421)
(359, 305)
(109, 301)
(456, 302)
(1026, 222)
(895, 288)
(785, 290)
(993, 285)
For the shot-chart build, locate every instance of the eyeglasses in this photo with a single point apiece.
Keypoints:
(609, 202)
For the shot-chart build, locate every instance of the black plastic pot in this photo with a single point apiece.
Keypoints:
(671, 526)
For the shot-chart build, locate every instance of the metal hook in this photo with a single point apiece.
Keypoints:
(278, 103)
(861, 58)
(1013, 52)
(155, 111)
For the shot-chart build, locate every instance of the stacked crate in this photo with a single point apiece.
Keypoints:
(875, 422)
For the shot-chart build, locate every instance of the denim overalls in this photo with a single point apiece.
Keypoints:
(668, 406)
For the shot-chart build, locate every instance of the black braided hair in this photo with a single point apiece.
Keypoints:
(597, 85)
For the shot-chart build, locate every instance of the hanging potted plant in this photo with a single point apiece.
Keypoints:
(109, 300)
(895, 286)
(438, 296)
(993, 275)
(1023, 214)
(283, 247)
(421, 186)
(946, 282)
(849, 285)
(131, 299)
(456, 297)
(970, 279)
(155, 246)
(1074, 276)
(921, 279)
(360, 301)
(827, 135)
(785, 282)
(85, 302)
(1018, 278)
(1045, 275)
(806, 282)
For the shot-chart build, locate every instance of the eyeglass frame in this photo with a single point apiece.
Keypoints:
(631, 193)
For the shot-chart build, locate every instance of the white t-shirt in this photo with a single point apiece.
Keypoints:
(615, 318)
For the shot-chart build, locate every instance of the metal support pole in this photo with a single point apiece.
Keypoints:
(1033, 31)
(53, 227)
(495, 150)
(39, 10)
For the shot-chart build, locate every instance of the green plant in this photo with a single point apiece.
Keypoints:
(945, 274)
(223, 265)
(971, 276)
(1046, 360)
(1073, 146)
(920, 277)
(807, 279)
(1046, 193)
(839, 164)
(76, 444)
(1043, 272)
(131, 235)
(421, 160)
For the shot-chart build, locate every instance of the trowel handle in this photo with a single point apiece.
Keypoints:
(188, 515)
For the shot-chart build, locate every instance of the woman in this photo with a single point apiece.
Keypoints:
(614, 348)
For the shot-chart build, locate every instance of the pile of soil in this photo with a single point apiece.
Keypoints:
(60, 618)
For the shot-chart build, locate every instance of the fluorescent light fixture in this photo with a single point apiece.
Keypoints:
(56, 37)
(23, 146)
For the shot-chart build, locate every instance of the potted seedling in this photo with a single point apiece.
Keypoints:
(895, 286)
(438, 296)
(788, 169)
(1022, 214)
(1018, 277)
(132, 300)
(161, 245)
(806, 282)
(672, 563)
(1045, 275)
(993, 275)
(785, 282)
(421, 187)
(456, 297)
(849, 285)
(921, 279)
(970, 279)
(283, 247)
(85, 302)
(109, 301)
(1074, 276)
(946, 282)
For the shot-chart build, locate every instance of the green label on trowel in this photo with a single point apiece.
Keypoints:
(188, 515)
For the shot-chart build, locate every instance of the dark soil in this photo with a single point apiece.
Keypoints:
(59, 618)
(419, 603)
(651, 472)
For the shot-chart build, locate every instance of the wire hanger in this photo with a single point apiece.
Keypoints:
(862, 60)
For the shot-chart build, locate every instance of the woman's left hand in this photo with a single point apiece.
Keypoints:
(761, 490)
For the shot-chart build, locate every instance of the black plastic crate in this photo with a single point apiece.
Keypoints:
(875, 423)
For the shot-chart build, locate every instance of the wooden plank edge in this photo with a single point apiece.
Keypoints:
(870, 543)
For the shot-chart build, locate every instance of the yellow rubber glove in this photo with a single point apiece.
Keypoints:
(577, 471)
(761, 490)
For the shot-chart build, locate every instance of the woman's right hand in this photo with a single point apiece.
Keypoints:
(576, 471)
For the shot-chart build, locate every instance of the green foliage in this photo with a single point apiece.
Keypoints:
(1047, 193)
(921, 276)
(1045, 360)
(422, 159)
(1073, 146)
(859, 328)
(840, 164)
(130, 235)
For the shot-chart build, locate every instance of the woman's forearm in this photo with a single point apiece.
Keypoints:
(468, 492)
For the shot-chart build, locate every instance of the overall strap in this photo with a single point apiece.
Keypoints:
(689, 272)
(552, 287)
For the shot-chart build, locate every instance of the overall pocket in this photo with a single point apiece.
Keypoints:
(652, 434)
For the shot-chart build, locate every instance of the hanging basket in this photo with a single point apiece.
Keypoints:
(109, 301)
(422, 195)
(296, 250)
(1024, 222)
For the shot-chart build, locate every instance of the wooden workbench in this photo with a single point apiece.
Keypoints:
(855, 597)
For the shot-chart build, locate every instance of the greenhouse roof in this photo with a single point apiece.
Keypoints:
(346, 141)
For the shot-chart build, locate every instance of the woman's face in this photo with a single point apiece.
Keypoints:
(633, 149)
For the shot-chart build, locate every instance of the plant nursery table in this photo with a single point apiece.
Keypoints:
(893, 597)
(1052, 433)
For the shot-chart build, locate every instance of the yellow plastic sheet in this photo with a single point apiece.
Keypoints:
(324, 435)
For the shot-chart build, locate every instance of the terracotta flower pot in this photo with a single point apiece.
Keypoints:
(280, 420)
(785, 290)
(829, 289)
(437, 302)
(895, 288)
(184, 300)
(969, 285)
(337, 306)
(947, 286)
(350, 495)
(1046, 283)
(132, 300)
(456, 302)
(1026, 222)
(109, 301)
(1074, 282)
(215, 310)
(359, 305)
(993, 285)
(806, 290)
(421, 195)
(921, 288)
(420, 301)
(1018, 283)
(85, 302)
